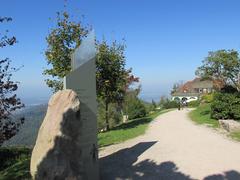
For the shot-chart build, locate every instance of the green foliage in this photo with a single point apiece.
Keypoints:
(136, 109)
(226, 106)
(229, 89)
(112, 77)
(162, 101)
(15, 163)
(202, 115)
(170, 104)
(177, 99)
(133, 106)
(222, 65)
(194, 104)
(235, 135)
(207, 98)
(175, 87)
(111, 74)
(150, 107)
(154, 104)
(62, 40)
(114, 115)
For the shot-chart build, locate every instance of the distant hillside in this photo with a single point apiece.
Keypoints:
(27, 135)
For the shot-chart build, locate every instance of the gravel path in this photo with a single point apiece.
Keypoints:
(173, 148)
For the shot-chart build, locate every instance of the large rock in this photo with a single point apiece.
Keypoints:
(230, 125)
(57, 154)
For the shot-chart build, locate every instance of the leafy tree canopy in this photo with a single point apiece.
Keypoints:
(112, 78)
(221, 65)
(62, 40)
(9, 102)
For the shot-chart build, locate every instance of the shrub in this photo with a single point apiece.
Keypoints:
(229, 89)
(208, 98)
(170, 104)
(194, 103)
(236, 112)
(226, 106)
(136, 109)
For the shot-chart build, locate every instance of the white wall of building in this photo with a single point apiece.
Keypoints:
(189, 98)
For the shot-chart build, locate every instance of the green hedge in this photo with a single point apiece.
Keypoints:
(226, 106)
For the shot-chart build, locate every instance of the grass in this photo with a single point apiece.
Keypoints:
(128, 130)
(235, 135)
(201, 115)
(15, 163)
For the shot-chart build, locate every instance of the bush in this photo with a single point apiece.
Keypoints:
(226, 106)
(136, 109)
(170, 104)
(208, 98)
(194, 103)
(229, 89)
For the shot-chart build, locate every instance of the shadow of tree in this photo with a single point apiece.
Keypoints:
(120, 165)
(229, 175)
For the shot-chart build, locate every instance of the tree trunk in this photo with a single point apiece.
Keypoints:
(106, 116)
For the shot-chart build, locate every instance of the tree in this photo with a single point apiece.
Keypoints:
(154, 104)
(8, 99)
(111, 75)
(223, 65)
(175, 88)
(112, 78)
(162, 101)
(133, 106)
(62, 41)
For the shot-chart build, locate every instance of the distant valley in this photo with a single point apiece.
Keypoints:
(27, 134)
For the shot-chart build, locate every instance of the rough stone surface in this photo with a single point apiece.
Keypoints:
(56, 154)
(230, 125)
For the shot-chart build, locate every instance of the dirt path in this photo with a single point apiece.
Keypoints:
(173, 148)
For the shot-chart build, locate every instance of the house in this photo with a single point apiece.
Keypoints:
(192, 90)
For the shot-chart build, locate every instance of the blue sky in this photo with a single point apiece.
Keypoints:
(166, 40)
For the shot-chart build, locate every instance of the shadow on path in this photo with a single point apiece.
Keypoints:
(120, 165)
(229, 175)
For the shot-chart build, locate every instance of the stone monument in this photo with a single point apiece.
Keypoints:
(82, 79)
(66, 146)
